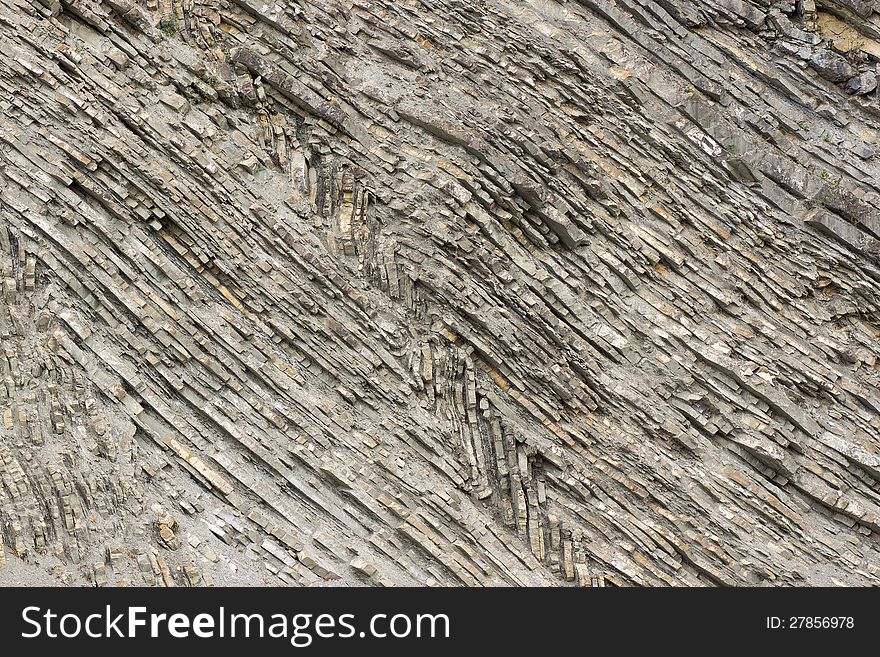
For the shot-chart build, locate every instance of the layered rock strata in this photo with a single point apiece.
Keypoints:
(439, 292)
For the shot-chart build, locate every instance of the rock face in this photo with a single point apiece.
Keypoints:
(440, 292)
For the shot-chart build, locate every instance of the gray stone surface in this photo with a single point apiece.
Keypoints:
(439, 292)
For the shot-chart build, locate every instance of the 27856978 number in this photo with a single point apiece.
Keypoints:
(811, 623)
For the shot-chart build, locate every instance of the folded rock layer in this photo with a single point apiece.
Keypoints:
(439, 292)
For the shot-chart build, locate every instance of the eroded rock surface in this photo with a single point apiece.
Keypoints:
(500, 292)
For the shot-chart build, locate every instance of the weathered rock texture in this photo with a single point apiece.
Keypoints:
(440, 292)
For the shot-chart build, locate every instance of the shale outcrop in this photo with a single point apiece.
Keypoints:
(440, 292)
